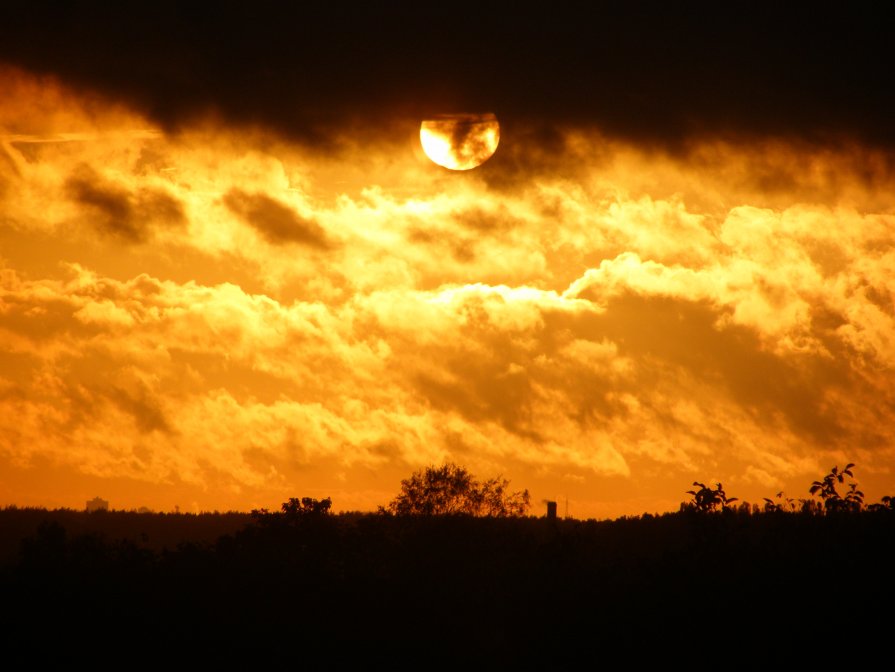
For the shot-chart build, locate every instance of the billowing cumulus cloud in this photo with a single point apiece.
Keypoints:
(236, 317)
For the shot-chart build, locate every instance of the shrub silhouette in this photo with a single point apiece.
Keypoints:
(887, 503)
(451, 489)
(832, 500)
(295, 511)
(783, 504)
(706, 500)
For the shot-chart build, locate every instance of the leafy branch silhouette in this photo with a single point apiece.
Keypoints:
(783, 503)
(832, 500)
(707, 500)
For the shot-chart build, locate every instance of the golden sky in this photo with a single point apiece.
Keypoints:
(222, 316)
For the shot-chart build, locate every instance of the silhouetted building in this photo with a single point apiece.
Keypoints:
(97, 504)
(551, 510)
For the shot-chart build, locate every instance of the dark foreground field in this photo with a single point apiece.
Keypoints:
(779, 590)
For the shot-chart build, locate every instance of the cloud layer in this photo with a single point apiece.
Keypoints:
(241, 317)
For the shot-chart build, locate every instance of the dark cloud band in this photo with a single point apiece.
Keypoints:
(647, 71)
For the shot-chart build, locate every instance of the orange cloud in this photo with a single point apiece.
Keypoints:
(227, 312)
(276, 222)
(114, 210)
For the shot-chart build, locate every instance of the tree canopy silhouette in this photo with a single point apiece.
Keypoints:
(451, 489)
(295, 512)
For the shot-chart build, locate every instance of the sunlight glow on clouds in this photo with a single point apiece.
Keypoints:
(222, 309)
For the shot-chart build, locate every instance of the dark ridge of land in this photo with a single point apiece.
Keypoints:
(154, 531)
(429, 592)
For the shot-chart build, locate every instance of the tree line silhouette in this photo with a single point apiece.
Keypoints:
(471, 584)
(708, 500)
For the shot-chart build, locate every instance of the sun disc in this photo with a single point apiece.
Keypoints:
(460, 141)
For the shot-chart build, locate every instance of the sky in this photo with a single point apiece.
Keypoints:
(230, 276)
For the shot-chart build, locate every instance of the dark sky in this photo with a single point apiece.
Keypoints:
(645, 71)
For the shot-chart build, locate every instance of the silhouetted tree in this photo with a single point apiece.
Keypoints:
(308, 506)
(295, 510)
(707, 499)
(833, 501)
(450, 489)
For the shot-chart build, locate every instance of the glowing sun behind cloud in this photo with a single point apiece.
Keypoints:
(460, 141)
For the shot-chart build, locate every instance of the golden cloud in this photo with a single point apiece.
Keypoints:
(222, 309)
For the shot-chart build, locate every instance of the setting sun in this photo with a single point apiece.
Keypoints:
(460, 141)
